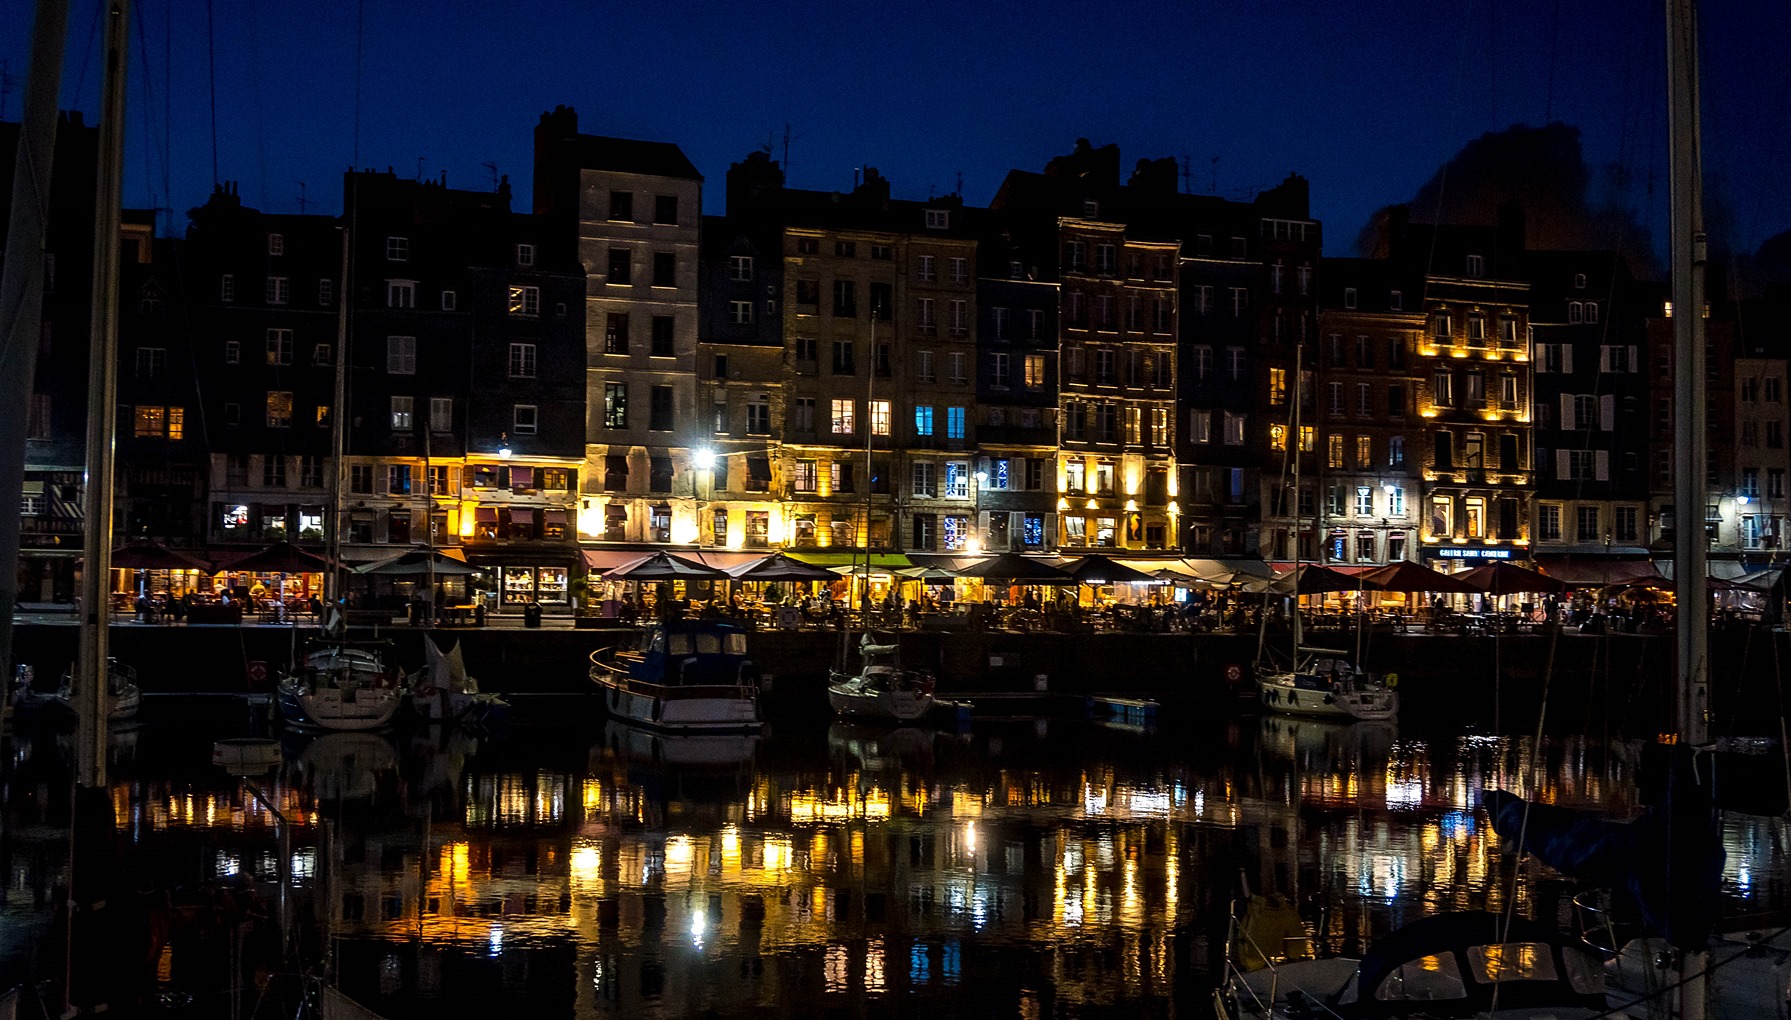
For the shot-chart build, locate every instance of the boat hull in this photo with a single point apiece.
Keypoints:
(1278, 692)
(334, 708)
(848, 698)
(681, 709)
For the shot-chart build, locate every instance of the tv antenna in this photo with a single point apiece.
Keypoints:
(419, 168)
(789, 136)
(304, 203)
(1185, 172)
(1212, 187)
(491, 168)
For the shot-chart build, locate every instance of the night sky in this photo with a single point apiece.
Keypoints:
(1366, 99)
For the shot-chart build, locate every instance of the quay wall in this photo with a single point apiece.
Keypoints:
(1618, 681)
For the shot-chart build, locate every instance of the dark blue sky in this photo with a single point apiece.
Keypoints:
(1367, 99)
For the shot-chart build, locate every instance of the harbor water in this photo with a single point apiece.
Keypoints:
(574, 867)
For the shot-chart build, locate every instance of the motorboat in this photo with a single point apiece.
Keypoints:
(882, 689)
(1325, 684)
(1449, 966)
(681, 675)
(340, 686)
(444, 692)
(123, 696)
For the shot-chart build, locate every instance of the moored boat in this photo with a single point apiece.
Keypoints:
(1327, 685)
(683, 675)
(444, 692)
(121, 700)
(340, 686)
(882, 689)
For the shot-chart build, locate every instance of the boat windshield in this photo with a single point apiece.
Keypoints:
(678, 644)
(1428, 978)
(736, 644)
(1511, 961)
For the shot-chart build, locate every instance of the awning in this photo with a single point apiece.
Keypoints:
(892, 561)
(1585, 573)
(1226, 566)
(522, 477)
(554, 516)
(485, 514)
(522, 515)
(600, 560)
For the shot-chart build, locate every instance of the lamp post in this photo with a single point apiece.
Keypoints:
(978, 542)
(704, 461)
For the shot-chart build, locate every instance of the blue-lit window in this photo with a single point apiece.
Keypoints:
(957, 480)
(998, 474)
(954, 423)
(923, 419)
(956, 530)
(1032, 531)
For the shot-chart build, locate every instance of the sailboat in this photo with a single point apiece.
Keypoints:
(444, 692)
(1318, 682)
(882, 688)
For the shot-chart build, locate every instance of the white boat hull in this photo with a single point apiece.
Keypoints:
(849, 698)
(1277, 692)
(672, 709)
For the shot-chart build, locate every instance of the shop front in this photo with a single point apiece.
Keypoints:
(511, 580)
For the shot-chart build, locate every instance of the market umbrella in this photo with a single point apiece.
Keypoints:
(926, 574)
(150, 556)
(1015, 568)
(1411, 577)
(417, 562)
(666, 567)
(1097, 570)
(1510, 579)
(1314, 579)
(778, 567)
(283, 558)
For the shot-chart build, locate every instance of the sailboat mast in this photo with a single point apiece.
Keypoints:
(102, 414)
(338, 423)
(1296, 444)
(869, 431)
(1690, 452)
(22, 288)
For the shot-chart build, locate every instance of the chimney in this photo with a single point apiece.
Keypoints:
(749, 179)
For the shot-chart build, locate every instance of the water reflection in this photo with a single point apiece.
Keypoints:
(1027, 868)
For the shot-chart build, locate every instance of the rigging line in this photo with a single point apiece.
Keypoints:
(211, 71)
(360, 23)
(86, 57)
(1548, 676)
(1619, 1009)
(1554, 40)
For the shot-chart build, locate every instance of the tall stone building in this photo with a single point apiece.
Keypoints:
(1474, 371)
(1361, 421)
(631, 212)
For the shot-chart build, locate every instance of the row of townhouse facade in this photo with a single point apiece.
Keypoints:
(1087, 364)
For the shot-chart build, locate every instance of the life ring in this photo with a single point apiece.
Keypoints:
(1234, 674)
(1391, 680)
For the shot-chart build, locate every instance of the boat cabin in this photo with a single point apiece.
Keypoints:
(691, 652)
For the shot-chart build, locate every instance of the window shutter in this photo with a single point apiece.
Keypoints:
(1561, 466)
(1602, 464)
(1634, 364)
(1604, 359)
(982, 528)
(1541, 357)
(1567, 424)
(1607, 413)
(1566, 357)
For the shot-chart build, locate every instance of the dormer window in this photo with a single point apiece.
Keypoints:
(938, 219)
(525, 256)
(276, 244)
(1476, 265)
(1349, 297)
(1579, 281)
(1091, 209)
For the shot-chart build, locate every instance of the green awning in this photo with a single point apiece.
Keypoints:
(890, 561)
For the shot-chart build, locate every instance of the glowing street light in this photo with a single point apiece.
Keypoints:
(704, 459)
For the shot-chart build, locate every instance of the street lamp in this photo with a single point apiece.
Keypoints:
(976, 505)
(704, 461)
(504, 446)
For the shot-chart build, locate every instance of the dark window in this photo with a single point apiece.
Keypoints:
(1507, 518)
(805, 348)
(808, 292)
(1156, 486)
(615, 473)
(882, 361)
(1445, 449)
(845, 299)
(846, 249)
(621, 266)
(665, 269)
(844, 363)
(665, 209)
(1395, 352)
(615, 333)
(659, 411)
(882, 301)
(1508, 453)
(758, 474)
(721, 366)
(659, 474)
(662, 336)
(845, 482)
(1396, 400)
(615, 405)
(621, 205)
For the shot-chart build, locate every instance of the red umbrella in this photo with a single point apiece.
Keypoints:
(1412, 577)
(282, 558)
(1510, 579)
(1313, 579)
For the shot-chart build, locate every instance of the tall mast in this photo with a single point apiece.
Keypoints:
(339, 417)
(1687, 245)
(1296, 443)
